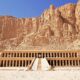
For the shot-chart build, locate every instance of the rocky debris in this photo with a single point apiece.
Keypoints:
(56, 28)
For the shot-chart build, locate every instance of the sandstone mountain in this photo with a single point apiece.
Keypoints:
(55, 29)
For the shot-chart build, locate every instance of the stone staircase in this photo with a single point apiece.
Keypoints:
(40, 64)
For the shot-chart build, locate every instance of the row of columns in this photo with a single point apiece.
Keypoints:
(25, 63)
(64, 62)
(39, 54)
(15, 63)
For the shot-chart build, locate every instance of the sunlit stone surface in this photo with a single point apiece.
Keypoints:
(40, 75)
(41, 64)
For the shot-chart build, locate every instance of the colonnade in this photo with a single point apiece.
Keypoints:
(64, 62)
(46, 55)
(15, 63)
(24, 58)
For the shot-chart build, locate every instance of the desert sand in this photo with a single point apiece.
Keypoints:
(57, 74)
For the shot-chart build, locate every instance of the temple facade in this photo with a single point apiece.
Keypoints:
(26, 58)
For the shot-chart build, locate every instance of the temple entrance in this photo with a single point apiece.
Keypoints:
(39, 60)
(40, 64)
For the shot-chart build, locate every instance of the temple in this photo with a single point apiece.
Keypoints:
(27, 58)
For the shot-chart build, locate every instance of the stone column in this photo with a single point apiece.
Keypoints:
(62, 63)
(78, 62)
(6, 63)
(68, 55)
(72, 62)
(74, 54)
(28, 62)
(45, 55)
(35, 55)
(18, 63)
(19, 54)
(22, 63)
(68, 63)
(63, 54)
(22, 55)
(29, 54)
(59, 62)
(56, 54)
(50, 55)
(75, 62)
(12, 63)
(42, 54)
(25, 63)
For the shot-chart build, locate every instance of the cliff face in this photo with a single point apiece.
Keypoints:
(54, 29)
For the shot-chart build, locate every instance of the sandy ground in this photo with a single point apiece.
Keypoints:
(40, 75)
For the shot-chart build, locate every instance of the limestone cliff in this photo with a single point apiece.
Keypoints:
(56, 28)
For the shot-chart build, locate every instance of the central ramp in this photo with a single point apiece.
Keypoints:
(40, 64)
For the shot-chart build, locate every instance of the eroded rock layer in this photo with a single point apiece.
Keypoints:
(55, 29)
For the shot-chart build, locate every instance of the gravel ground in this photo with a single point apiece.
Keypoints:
(40, 75)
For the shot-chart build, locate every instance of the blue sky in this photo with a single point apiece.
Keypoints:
(28, 8)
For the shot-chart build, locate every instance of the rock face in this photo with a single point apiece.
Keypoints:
(56, 28)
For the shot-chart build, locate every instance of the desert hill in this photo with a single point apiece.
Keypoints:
(55, 29)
